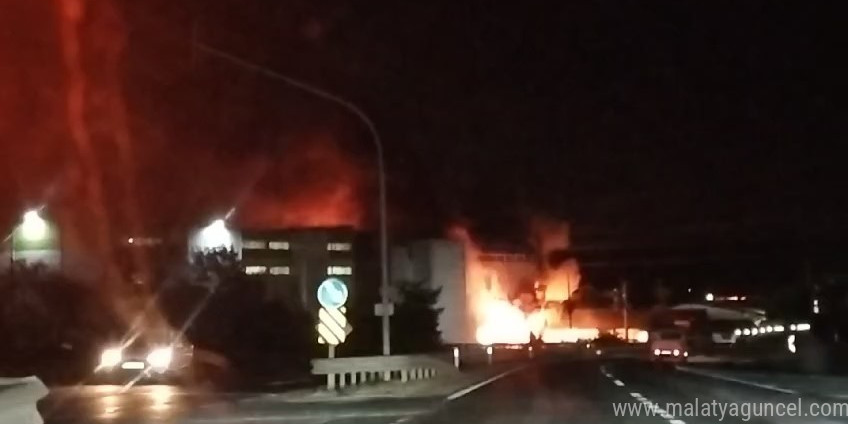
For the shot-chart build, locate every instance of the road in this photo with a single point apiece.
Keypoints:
(587, 392)
(550, 391)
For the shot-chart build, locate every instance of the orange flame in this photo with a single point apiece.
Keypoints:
(497, 320)
(562, 280)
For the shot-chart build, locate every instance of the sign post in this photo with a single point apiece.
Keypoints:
(332, 326)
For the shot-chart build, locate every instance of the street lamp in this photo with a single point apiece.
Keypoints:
(33, 227)
(215, 235)
(381, 172)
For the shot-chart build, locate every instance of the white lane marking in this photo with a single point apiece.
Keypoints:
(657, 410)
(736, 380)
(460, 393)
(402, 420)
(618, 383)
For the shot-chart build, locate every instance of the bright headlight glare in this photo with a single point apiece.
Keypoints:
(160, 357)
(110, 357)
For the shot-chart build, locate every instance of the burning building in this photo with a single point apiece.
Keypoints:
(503, 295)
(487, 295)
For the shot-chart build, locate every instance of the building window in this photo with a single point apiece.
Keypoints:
(279, 245)
(280, 270)
(255, 270)
(338, 247)
(254, 244)
(339, 270)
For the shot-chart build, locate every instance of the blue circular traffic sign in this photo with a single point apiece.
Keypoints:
(332, 293)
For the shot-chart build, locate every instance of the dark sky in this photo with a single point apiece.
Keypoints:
(617, 115)
(637, 121)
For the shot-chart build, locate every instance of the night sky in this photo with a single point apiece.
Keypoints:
(642, 123)
(620, 116)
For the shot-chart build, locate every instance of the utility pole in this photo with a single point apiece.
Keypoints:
(624, 310)
(378, 150)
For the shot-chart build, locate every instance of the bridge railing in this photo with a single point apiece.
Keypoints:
(341, 372)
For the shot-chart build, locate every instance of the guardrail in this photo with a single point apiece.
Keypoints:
(18, 397)
(364, 369)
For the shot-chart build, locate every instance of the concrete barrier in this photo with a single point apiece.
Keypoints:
(18, 398)
(364, 369)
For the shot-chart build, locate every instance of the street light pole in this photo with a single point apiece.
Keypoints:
(381, 171)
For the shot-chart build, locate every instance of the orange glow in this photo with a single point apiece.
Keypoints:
(569, 335)
(313, 185)
(502, 323)
(496, 319)
(560, 280)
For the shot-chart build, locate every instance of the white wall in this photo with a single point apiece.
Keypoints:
(439, 264)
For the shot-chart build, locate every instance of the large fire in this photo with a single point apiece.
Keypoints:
(497, 318)
(560, 280)
(510, 312)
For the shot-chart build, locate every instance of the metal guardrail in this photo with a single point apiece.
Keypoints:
(363, 369)
(18, 397)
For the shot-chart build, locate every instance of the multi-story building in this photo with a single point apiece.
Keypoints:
(292, 262)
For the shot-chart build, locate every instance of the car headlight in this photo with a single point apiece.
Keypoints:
(160, 357)
(111, 357)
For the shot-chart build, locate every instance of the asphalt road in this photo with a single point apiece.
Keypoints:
(588, 392)
(551, 391)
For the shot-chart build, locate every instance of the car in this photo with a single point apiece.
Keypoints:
(140, 360)
(605, 344)
(669, 345)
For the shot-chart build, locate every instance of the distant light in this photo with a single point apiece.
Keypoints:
(769, 329)
(793, 327)
(489, 350)
(754, 331)
(689, 290)
(746, 332)
(778, 328)
(737, 332)
(742, 297)
(33, 227)
(816, 309)
(160, 357)
(656, 352)
(709, 297)
(803, 327)
(642, 336)
(215, 235)
(598, 352)
(676, 352)
(130, 240)
(790, 343)
(733, 298)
